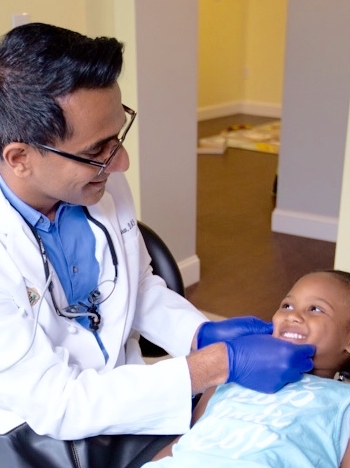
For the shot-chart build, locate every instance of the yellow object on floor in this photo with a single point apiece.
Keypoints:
(263, 138)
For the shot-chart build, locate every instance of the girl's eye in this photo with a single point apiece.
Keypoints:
(316, 309)
(286, 305)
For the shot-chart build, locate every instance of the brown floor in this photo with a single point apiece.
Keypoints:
(245, 268)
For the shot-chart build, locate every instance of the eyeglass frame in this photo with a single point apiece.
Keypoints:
(72, 310)
(102, 165)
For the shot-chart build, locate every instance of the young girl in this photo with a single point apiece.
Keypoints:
(305, 424)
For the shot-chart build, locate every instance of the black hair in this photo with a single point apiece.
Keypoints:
(344, 278)
(340, 275)
(40, 63)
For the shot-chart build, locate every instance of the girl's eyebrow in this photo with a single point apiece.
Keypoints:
(321, 299)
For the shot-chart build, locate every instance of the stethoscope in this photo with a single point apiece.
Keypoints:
(91, 310)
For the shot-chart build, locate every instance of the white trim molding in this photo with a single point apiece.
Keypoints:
(305, 225)
(190, 270)
(263, 109)
(218, 110)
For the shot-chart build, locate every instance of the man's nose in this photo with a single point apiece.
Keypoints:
(120, 162)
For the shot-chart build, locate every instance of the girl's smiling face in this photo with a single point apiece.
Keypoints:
(317, 311)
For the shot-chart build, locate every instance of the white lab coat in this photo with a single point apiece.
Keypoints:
(62, 386)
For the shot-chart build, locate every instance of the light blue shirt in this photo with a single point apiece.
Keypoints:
(305, 424)
(67, 239)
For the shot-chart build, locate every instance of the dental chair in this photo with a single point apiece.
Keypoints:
(165, 266)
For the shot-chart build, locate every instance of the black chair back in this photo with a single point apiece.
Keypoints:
(165, 266)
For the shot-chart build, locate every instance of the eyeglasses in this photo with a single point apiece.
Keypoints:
(130, 116)
(98, 295)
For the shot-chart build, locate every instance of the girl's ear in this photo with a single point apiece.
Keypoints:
(347, 349)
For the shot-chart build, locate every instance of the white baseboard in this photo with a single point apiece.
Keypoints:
(190, 270)
(305, 225)
(264, 109)
(219, 110)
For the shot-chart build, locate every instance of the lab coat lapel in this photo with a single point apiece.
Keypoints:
(21, 244)
(114, 312)
(23, 249)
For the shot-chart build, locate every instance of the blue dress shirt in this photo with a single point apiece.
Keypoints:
(67, 239)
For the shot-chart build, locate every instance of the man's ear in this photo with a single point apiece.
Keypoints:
(17, 157)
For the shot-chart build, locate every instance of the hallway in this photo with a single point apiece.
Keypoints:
(245, 268)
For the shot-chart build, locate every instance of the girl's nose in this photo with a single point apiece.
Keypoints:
(294, 316)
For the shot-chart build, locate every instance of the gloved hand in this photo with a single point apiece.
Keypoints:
(213, 332)
(265, 363)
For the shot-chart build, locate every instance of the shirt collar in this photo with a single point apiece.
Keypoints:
(34, 217)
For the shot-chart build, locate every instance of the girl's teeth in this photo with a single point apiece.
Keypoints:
(294, 336)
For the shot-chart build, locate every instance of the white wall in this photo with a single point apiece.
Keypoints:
(125, 31)
(314, 118)
(99, 18)
(167, 65)
(342, 253)
(62, 13)
(159, 79)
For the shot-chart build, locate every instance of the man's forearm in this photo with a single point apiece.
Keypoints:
(208, 367)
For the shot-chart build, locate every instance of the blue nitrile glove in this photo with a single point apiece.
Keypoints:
(225, 330)
(265, 363)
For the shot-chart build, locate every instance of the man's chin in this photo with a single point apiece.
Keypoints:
(92, 196)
